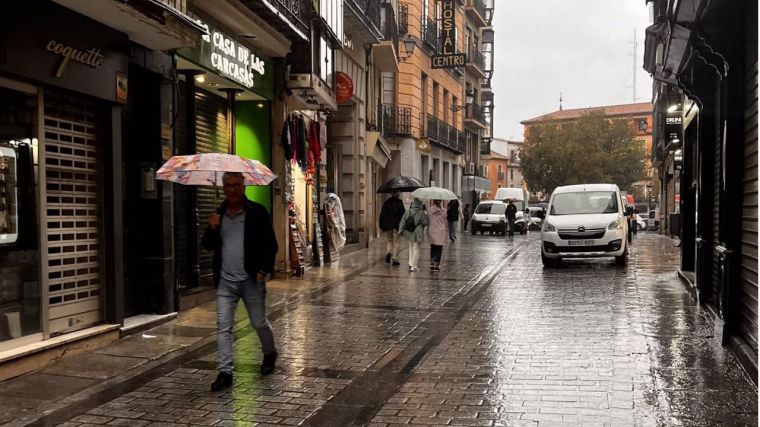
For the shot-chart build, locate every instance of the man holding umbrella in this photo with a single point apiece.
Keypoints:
(390, 218)
(241, 235)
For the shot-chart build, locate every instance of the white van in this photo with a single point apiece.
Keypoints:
(585, 221)
(516, 194)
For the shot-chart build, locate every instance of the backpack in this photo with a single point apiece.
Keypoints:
(410, 224)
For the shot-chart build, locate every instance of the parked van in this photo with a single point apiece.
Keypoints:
(585, 221)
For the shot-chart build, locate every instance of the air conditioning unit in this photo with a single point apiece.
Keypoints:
(471, 168)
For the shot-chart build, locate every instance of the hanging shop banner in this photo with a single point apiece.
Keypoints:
(231, 59)
(449, 58)
(344, 87)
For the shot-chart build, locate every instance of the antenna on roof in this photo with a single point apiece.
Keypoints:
(560, 101)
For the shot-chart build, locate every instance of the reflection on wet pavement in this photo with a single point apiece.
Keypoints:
(494, 339)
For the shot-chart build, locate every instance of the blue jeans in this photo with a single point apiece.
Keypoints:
(254, 297)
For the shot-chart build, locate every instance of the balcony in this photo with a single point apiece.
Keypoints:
(444, 135)
(403, 19)
(396, 121)
(485, 147)
(386, 53)
(476, 63)
(289, 17)
(475, 117)
(478, 12)
(363, 17)
(430, 36)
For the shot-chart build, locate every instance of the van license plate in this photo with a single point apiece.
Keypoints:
(581, 243)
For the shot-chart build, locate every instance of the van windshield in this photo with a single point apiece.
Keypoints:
(584, 202)
(491, 208)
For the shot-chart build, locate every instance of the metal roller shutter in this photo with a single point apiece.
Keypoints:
(748, 306)
(212, 136)
(181, 197)
(73, 214)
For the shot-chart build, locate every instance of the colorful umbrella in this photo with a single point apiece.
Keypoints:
(208, 169)
(434, 193)
(401, 184)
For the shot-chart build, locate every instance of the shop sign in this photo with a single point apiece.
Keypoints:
(449, 58)
(674, 127)
(231, 59)
(344, 87)
(65, 49)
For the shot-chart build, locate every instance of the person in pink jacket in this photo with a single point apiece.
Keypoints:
(436, 233)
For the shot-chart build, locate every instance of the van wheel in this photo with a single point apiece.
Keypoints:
(622, 260)
(549, 262)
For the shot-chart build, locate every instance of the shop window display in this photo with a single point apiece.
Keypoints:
(19, 248)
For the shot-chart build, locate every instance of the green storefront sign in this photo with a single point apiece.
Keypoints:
(231, 59)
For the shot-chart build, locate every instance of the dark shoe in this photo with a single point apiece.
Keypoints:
(267, 366)
(388, 258)
(436, 269)
(396, 263)
(223, 381)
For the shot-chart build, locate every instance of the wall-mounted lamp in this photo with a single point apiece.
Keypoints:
(200, 77)
(409, 45)
(469, 98)
(673, 108)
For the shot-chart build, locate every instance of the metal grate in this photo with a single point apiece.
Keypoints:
(72, 212)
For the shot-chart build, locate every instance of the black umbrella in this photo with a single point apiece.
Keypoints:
(401, 184)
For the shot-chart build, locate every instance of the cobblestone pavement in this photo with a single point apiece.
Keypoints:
(493, 339)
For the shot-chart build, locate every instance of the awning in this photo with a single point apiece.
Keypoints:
(476, 183)
(378, 148)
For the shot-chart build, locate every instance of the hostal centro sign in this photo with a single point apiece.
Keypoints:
(233, 60)
(449, 58)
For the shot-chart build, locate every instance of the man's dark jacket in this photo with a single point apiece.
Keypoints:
(452, 212)
(391, 214)
(511, 212)
(259, 242)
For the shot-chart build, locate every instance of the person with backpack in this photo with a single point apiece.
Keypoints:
(437, 233)
(452, 216)
(412, 227)
(390, 219)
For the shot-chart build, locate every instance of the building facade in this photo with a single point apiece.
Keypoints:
(703, 57)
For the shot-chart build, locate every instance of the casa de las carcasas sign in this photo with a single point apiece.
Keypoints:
(230, 59)
(448, 58)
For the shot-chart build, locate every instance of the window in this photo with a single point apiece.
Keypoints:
(436, 89)
(446, 107)
(324, 58)
(424, 97)
(511, 174)
(643, 125)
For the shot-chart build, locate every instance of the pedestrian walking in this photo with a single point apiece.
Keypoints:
(241, 235)
(452, 216)
(437, 233)
(390, 219)
(511, 214)
(466, 214)
(412, 227)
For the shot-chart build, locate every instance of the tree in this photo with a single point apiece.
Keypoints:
(592, 149)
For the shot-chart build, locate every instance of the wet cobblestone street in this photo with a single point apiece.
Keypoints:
(494, 339)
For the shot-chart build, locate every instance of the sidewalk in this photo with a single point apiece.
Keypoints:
(73, 379)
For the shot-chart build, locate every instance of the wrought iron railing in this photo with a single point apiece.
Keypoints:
(179, 5)
(430, 33)
(371, 11)
(480, 7)
(485, 148)
(396, 120)
(295, 11)
(443, 134)
(475, 112)
(403, 19)
(389, 26)
(477, 57)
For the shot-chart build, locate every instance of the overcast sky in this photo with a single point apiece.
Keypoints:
(583, 49)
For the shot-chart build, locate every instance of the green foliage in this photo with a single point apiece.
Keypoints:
(593, 149)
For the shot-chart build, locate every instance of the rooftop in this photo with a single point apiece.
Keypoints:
(610, 110)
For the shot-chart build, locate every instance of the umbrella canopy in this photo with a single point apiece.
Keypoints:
(434, 193)
(208, 169)
(401, 184)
